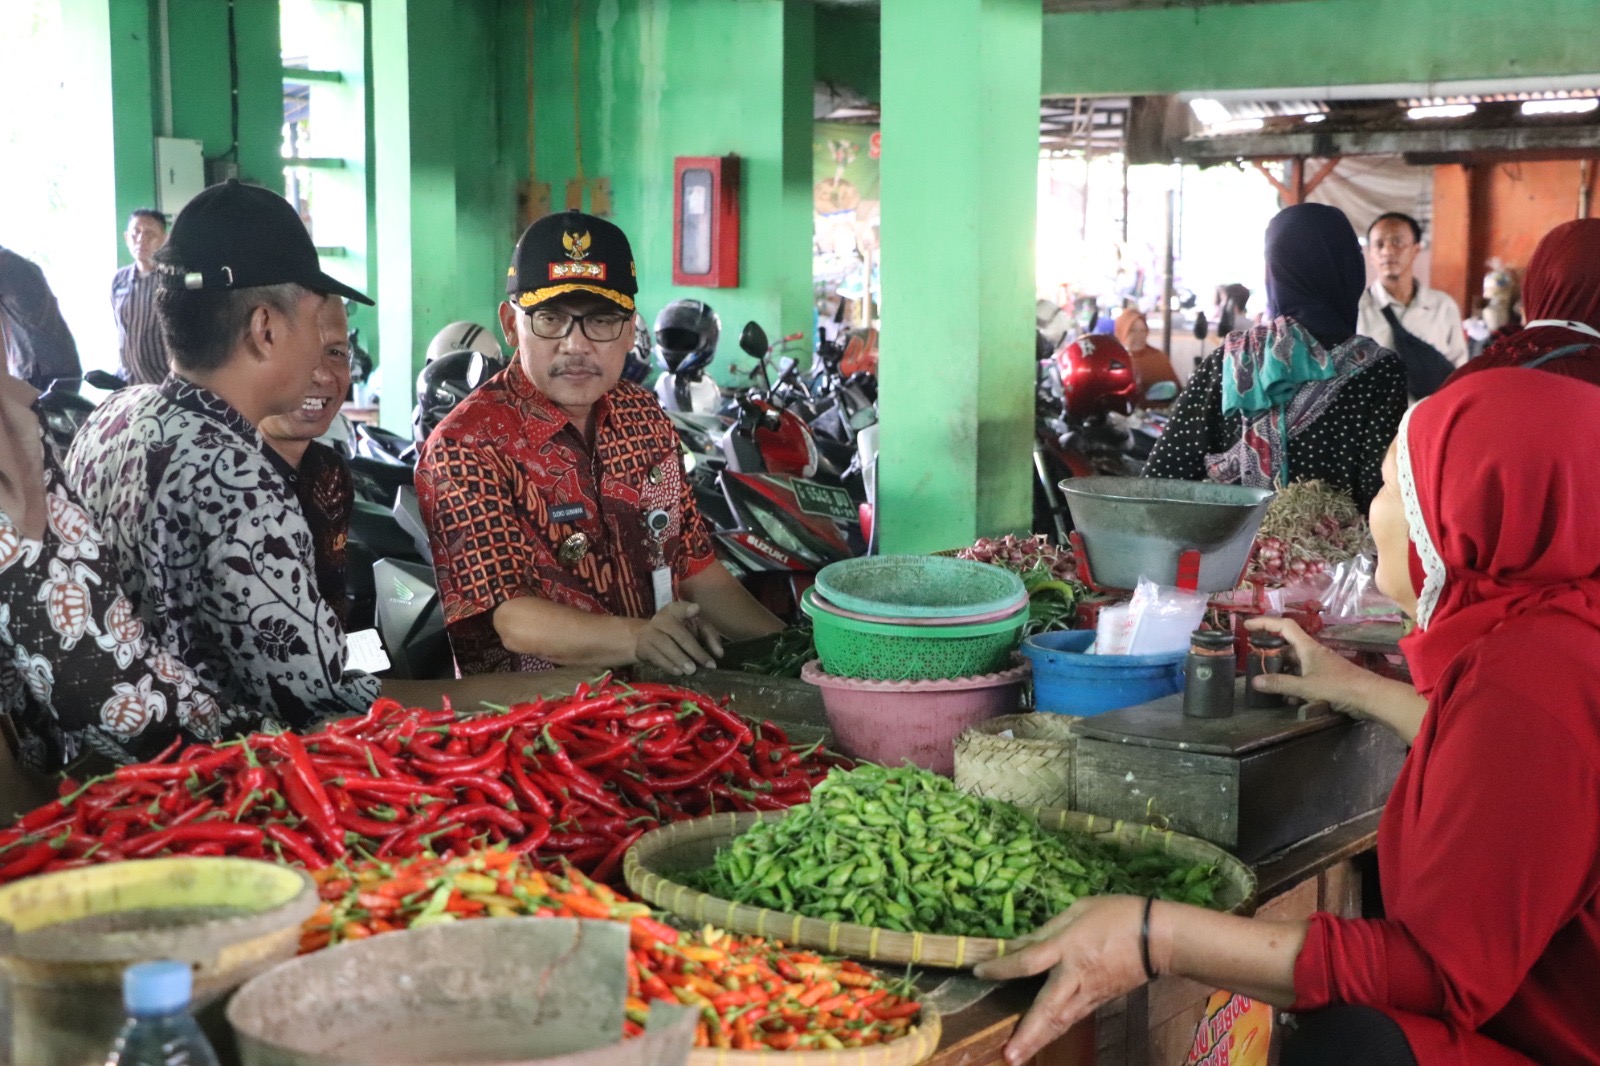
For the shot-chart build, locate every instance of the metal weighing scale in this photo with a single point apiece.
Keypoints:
(1252, 783)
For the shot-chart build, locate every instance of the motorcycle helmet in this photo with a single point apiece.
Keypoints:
(445, 382)
(686, 337)
(1096, 377)
(636, 366)
(464, 337)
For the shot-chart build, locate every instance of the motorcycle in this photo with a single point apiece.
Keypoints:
(1086, 423)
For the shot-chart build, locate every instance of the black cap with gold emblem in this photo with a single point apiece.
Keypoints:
(572, 252)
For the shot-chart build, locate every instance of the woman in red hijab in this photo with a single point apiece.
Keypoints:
(1489, 847)
(1561, 297)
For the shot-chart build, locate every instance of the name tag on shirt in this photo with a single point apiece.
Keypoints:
(364, 651)
(661, 579)
(568, 512)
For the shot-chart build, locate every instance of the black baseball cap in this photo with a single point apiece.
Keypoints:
(238, 236)
(570, 251)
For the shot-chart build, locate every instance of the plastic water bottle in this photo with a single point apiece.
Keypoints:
(160, 1031)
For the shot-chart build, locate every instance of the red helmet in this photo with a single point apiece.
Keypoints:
(1096, 377)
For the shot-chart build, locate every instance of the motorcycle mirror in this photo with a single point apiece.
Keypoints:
(1162, 392)
(100, 379)
(1201, 327)
(753, 340)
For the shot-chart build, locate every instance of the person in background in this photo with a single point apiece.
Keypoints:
(141, 349)
(1491, 936)
(1150, 364)
(80, 680)
(563, 529)
(38, 345)
(1231, 314)
(1302, 397)
(1403, 315)
(319, 476)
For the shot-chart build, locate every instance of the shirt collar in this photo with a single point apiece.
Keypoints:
(541, 415)
(1418, 299)
(202, 401)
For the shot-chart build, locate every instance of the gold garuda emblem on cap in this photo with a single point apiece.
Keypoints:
(576, 244)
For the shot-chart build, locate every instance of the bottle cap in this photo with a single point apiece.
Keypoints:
(1211, 639)
(1267, 640)
(157, 987)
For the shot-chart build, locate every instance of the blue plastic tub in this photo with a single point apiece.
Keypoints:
(1066, 680)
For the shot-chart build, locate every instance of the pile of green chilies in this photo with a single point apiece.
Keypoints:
(904, 849)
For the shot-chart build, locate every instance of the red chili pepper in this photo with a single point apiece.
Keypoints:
(305, 793)
(488, 786)
(493, 725)
(433, 763)
(296, 844)
(527, 790)
(469, 813)
(538, 831)
(572, 842)
(32, 860)
(612, 863)
(378, 786)
(698, 777)
(224, 833)
(608, 754)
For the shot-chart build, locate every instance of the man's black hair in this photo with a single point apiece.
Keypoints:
(1398, 216)
(150, 213)
(201, 326)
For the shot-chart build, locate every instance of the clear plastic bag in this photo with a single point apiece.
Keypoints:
(1160, 619)
(1352, 596)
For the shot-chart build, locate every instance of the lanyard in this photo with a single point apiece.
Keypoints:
(1561, 323)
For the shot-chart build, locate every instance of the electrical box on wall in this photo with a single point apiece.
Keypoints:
(705, 221)
(180, 173)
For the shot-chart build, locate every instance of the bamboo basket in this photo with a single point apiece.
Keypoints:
(661, 853)
(1030, 768)
(919, 1043)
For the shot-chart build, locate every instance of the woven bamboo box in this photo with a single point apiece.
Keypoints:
(1032, 767)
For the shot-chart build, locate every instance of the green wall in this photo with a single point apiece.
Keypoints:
(848, 51)
(201, 103)
(1315, 43)
(658, 79)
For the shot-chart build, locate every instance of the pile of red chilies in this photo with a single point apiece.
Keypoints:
(578, 778)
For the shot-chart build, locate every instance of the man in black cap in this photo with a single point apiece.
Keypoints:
(205, 532)
(563, 529)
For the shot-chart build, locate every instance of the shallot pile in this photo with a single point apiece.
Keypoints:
(1310, 527)
(1049, 573)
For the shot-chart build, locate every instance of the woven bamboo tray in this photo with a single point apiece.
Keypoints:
(661, 853)
(919, 1043)
(1030, 768)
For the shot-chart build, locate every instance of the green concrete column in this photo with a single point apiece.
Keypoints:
(960, 87)
(415, 163)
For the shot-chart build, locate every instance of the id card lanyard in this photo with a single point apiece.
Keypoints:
(655, 524)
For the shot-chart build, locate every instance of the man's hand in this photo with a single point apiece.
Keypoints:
(1092, 952)
(675, 639)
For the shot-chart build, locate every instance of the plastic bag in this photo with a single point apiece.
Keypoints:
(1352, 596)
(1158, 621)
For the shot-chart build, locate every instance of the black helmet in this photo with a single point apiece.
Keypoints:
(686, 337)
(636, 367)
(445, 382)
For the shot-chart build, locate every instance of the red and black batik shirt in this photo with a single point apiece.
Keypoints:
(517, 504)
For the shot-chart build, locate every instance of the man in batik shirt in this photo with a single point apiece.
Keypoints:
(562, 527)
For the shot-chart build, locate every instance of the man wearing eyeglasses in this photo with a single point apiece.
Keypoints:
(563, 530)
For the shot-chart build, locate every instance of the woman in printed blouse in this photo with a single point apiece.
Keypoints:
(1302, 397)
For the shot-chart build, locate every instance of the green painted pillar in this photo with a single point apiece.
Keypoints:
(415, 186)
(960, 88)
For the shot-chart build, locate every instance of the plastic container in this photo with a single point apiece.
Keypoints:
(66, 938)
(884, 651)
(1068, 680)
(890, 722)
(822, 603)
(892, 587)
(160, 1031)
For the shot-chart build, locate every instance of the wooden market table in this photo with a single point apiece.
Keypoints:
(1151, 1027)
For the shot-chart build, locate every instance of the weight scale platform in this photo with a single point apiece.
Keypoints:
(1251, 784)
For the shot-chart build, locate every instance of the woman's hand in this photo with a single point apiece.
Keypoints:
(1324, 674)
(1092, 951)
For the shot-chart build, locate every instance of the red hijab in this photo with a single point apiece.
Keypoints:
(1562, 285)
(1501, 523)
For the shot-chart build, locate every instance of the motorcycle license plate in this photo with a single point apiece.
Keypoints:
(828, 501)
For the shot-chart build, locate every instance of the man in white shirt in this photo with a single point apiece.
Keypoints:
(1429, 315)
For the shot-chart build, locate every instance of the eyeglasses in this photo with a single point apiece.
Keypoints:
(553, 325)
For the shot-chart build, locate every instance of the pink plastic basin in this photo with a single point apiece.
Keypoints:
(890, 722)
